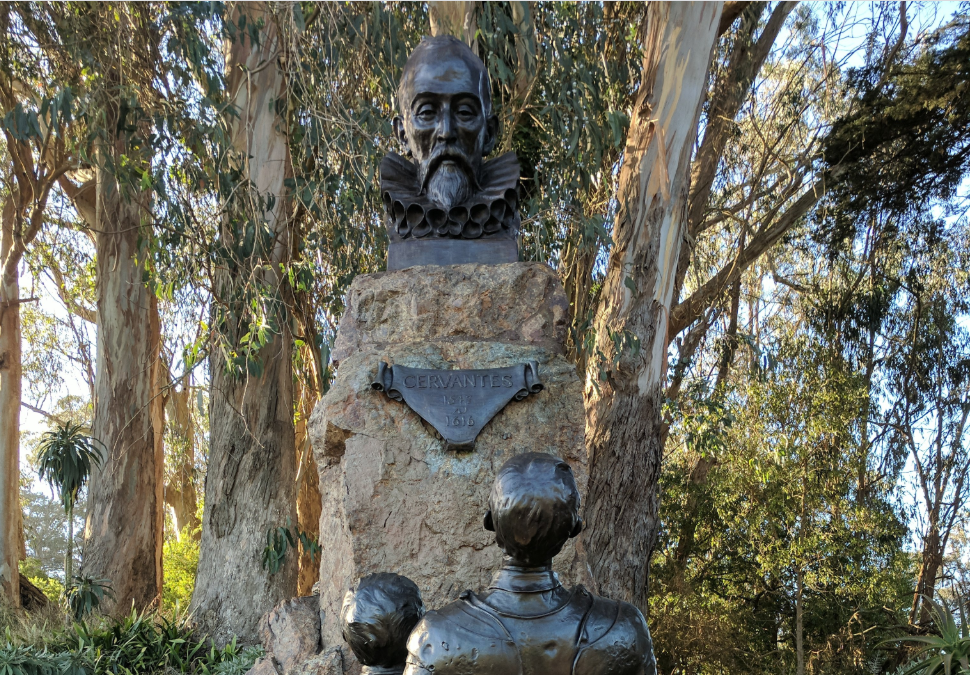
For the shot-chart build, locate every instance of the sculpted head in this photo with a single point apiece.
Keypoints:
(378, 615)
(534, 508)
(446, 118)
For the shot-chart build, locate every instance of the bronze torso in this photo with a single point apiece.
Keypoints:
(528, 624)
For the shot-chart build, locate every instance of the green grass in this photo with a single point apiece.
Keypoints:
(47, 643)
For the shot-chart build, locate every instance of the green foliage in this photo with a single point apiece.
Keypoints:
(908, 140)
(140, 644)
(65, 458)
(180, 559)
(947, 652)
(279, 539)
(35, 574)
(85, 595)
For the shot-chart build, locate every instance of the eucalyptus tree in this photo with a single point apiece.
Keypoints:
(35, 112)
(251, 416)
(110, 54)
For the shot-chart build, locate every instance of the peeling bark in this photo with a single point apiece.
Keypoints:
(458, 18)
(624, 425)
(10, 395)
(123, 531)
(250, 484)
(180, 492)
(308, 504)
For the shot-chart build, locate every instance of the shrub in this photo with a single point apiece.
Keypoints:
(180, 558)
(140, 644)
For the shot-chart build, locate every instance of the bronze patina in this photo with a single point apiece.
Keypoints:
(527, 623)
(378, 614)
(448, 206)
(458, 403)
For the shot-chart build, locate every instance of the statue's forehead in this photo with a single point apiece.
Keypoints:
(448, 75)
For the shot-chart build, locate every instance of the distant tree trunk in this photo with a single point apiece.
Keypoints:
(250, 484)
(799, 622)
(180, 492)
(10, 399)
(123, 529)
(308, 505)
(929, 570)
(458, 18)
(625, 374)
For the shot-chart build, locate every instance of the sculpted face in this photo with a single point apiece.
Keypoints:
(446, 119)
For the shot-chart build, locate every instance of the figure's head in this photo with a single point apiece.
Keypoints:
(533, 508)
(446, 118)
(378, 615)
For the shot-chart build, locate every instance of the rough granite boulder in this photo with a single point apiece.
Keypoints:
(328, 663)
(264, 666)
(394, 500)
(290, 632)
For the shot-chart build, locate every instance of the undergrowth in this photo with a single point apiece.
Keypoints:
(47, 643)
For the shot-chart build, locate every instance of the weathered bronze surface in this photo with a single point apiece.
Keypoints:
(526, 623)
(377, 615)
(448, 193)
(458, 403)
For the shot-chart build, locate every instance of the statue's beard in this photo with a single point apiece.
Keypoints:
(449, 185)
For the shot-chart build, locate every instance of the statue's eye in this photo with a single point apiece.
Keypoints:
(467, 112)
(426, 112)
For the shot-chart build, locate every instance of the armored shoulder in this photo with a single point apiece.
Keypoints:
(615, 640)
(460, 639)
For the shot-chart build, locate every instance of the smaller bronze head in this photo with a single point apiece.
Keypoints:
(534, 508)
(378, 615)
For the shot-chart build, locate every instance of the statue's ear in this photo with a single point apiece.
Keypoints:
(487, 521)
(491, 134)
(577, 528)
(399, 132)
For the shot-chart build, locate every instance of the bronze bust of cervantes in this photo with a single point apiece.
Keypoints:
(448, 206)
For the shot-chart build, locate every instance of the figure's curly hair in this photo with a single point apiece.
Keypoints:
(534, 507)
(378, 615)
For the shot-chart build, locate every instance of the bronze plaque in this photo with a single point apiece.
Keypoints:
(458, 403)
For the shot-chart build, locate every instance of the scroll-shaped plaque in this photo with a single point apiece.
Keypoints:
(458, 403)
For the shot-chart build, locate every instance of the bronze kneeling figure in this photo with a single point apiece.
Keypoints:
(526, 622)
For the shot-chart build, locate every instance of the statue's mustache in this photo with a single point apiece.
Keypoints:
(447, 153)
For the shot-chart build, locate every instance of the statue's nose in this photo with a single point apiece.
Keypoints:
(446, 129)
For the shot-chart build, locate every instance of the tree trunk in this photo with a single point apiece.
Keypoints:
(123, 529)
(458, 18)
(626, 373)
(932, 561)
(250, 484)
(180, 492)
(69, 553)
(10, 399)
(308, 505)
(799, 622)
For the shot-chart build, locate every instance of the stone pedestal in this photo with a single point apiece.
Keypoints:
(394, 500)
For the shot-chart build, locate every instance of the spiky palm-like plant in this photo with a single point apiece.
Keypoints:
(947, 652)
(66, 457)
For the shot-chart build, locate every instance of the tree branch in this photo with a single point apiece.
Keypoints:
(688, 311)
(731, 11)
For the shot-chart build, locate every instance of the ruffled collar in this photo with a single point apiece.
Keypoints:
(492, 211)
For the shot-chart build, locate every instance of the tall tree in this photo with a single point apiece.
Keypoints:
(123, 530)
(625, 376)
(250, 484)
(34, 158)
